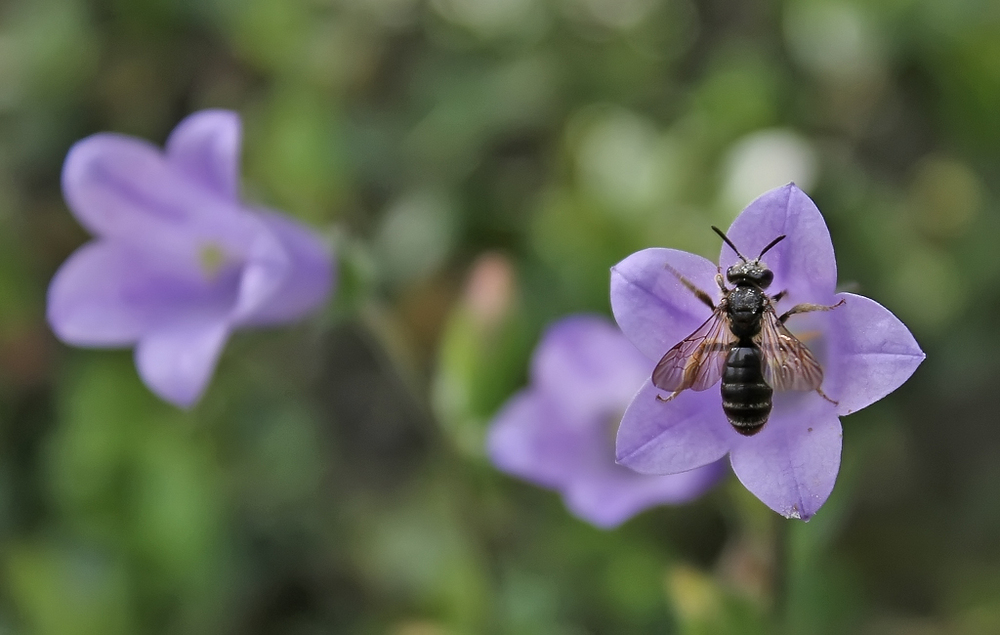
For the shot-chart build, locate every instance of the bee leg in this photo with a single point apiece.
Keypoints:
(776, 298)
(806, 308)
(701, 295)
(823, 395)
(668, 397)
(719, 281)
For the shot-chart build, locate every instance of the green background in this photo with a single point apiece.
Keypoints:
(479, 165)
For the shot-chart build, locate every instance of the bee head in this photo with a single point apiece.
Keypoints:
(753, 271)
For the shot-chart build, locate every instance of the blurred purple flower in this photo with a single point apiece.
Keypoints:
(559, 432)
(865, 352)
(178, 261)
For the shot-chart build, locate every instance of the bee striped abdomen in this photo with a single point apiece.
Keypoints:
(746, 397)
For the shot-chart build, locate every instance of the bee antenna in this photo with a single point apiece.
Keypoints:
(769, 245)
(730, 243)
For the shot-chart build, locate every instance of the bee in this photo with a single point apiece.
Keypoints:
(745, 344)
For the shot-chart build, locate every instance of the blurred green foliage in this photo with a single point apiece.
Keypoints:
(479, 165)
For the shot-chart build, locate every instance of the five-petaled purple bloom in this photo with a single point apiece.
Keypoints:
(864, 350)
(178, 261)
(559, 432)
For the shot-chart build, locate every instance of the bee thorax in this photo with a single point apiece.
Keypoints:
(745, 305)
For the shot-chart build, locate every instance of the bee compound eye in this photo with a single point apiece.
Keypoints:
(766, 277)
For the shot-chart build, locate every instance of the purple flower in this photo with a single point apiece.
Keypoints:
(178, 261)
(559, 432)
(864, 350)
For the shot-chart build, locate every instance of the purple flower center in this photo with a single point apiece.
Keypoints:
(211, 257)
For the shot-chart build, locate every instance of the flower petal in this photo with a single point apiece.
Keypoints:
(528, 439)
(265, 271)
(110, 293)
(871, 353)
(124, 188)
(587, 364)
(792, 464)
(88, 298)
(609, 500)
(652, 307)
(658, 437)
(803, 263)
(177, 362)
(307, 279)
(206, 147)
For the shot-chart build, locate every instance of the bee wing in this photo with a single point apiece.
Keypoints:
(697, 361)
(788, 364)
